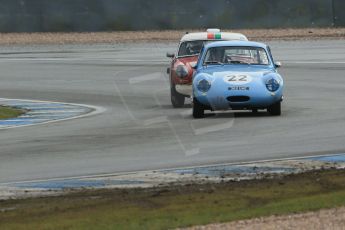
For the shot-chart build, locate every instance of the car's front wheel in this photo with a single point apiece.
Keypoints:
(198, 109)
(177, 100)
(275, 109)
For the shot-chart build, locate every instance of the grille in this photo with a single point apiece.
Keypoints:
(238, 98)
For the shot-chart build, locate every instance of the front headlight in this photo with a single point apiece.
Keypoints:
(204, 85)
(181, 71)
(272, 85)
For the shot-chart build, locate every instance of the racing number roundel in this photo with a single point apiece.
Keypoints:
(238, 79)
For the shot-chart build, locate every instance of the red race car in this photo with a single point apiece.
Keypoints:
(181, 69)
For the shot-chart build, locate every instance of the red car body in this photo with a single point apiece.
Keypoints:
(181, 69)
(186, 61)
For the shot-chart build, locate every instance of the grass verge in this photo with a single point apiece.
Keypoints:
(177, 206)
(9, 112)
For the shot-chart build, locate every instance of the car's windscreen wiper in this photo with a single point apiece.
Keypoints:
(239, 62)
(213, 63)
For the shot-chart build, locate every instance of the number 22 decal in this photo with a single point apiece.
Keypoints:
(238, 78)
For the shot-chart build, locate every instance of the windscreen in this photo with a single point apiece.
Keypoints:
(190, 48)
(236, 55)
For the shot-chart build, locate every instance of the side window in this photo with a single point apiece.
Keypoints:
(182, 50)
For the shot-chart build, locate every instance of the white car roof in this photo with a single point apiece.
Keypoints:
(225, 36)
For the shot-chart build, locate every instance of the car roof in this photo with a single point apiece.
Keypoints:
(235, 43)
(204, 36)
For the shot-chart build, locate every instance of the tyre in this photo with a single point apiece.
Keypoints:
(177, 100)
(275, 109)
(198, 109)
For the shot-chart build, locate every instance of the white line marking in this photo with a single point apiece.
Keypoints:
(122, 98)
(155, 120)
(168, 169)
(46, 108)
(96, 110)
(213, 128)
(24, 120)
(147, 77)
(43, 115)
(56, 111)
(192, 152)
(186, 113)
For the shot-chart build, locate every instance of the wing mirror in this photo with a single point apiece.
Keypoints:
(170, 55)
(278, 64)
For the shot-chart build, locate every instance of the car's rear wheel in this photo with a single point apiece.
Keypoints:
(275, 109)
(177, 100)
(198, 109)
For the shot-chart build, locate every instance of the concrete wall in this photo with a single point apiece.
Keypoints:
(97, 15)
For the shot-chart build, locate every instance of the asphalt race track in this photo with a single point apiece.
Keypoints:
(141, 131)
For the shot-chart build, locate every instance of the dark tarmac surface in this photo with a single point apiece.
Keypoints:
(141, 131)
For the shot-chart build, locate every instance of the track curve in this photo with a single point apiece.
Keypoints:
(141, 131)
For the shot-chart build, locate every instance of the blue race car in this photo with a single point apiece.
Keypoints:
(238, 75)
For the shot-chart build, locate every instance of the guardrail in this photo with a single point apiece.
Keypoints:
(100, 15)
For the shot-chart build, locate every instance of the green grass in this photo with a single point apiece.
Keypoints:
(9, 112)
(179, 206)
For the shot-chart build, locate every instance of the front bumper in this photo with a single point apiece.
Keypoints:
(253, 100)
(184, 89)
